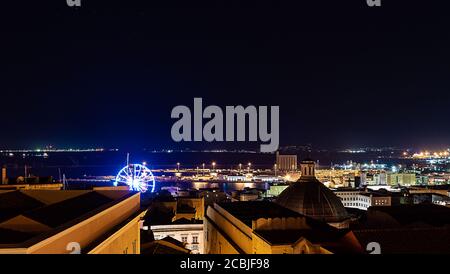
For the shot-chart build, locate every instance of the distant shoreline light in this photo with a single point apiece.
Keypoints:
(55, 150)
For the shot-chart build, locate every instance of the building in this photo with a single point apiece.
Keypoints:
(28, 182)
(268, 228)
(422, 180)
(167, 245)
(337, 177)
(380, 179)
(361, 199)
(32, 186)
(286, 162)
(246, 194)
(308, 196)
(65, 221)
(180, 218)
(430, 198)
(373, 178)
(402, 179)
(188, 207)
(238, 178)
(212, 195)
(189, 232)
(276, 189)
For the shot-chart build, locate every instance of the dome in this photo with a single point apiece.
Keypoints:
(308, 196)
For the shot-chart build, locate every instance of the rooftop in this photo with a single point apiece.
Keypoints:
(277, 237)
(184, 221)
(409, 215)
(29, 216)
(167, 245)
(316, 231)
(310, 197)
(408, 240)
(249, 211)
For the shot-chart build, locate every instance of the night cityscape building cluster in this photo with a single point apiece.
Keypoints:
(288, 208)
(207, 127)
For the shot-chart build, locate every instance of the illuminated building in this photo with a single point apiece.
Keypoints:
(212, 195)
(189, 232)
(238, 178)
(286, 162)
(308, 196)
(422, 180)
(266, 178)
(268, 228)
(179, 218)
(337, 177)
(373, 178)
(29, 182)
(246, 195)
(276, 189)
(362, 200)
(57, 222)
(29, 185)
(379, 179)
(403, 179)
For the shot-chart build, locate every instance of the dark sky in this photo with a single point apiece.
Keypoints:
(109, 73)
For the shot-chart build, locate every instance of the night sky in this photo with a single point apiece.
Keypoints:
(109, 73)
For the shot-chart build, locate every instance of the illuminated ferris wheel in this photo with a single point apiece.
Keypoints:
(138, 177)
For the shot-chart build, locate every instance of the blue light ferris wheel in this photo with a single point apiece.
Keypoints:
(138, 177)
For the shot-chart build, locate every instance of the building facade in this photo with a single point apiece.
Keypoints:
(189, 233)
(286, 162)
(267, 228)
(402, 179)
(362, 200)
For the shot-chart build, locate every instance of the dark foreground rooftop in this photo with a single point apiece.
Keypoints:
(28, 215)
(249, 211)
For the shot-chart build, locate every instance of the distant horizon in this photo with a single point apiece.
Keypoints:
(212, 149)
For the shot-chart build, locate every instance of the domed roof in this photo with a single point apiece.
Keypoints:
(311, 198)
(308, 196)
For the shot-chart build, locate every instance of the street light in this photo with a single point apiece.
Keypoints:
(213, 165)
(275, 169)
(240, 167)
(249, 165)
(178, 166)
